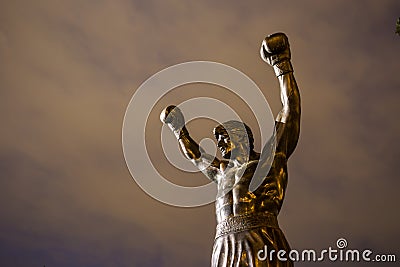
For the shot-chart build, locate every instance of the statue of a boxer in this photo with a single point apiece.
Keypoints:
(247, 221)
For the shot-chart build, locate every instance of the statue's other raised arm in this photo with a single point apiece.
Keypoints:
(275, 51)
(208, 164)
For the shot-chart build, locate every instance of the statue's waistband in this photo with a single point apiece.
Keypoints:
(245, 222)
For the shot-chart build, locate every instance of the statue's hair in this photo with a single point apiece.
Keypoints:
(235, 128)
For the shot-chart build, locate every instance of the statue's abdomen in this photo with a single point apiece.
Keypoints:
(267, 198)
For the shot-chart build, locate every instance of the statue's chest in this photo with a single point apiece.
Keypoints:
(237, 176)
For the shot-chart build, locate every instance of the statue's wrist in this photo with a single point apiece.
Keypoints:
(283, 67)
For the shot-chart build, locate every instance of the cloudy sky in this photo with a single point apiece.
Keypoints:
(68, 70)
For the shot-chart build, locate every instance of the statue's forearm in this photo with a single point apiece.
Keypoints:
(189, 147)
(289, 116)
(290, 97)
(173, 117)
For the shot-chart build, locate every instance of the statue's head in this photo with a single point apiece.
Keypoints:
(233, 137)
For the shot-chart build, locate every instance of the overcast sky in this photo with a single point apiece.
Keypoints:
(68, 70)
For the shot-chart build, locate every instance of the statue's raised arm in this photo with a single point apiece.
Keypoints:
(208, 164)
(275, 50)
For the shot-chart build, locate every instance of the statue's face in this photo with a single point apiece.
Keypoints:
(236, 143)
(225, 145)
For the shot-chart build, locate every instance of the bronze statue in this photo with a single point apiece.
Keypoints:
(247, 221)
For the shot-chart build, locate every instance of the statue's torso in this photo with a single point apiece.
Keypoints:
(267, 197)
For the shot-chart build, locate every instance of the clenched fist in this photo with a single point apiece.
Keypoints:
(275, 51)
(275, 48)
(173, 117)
